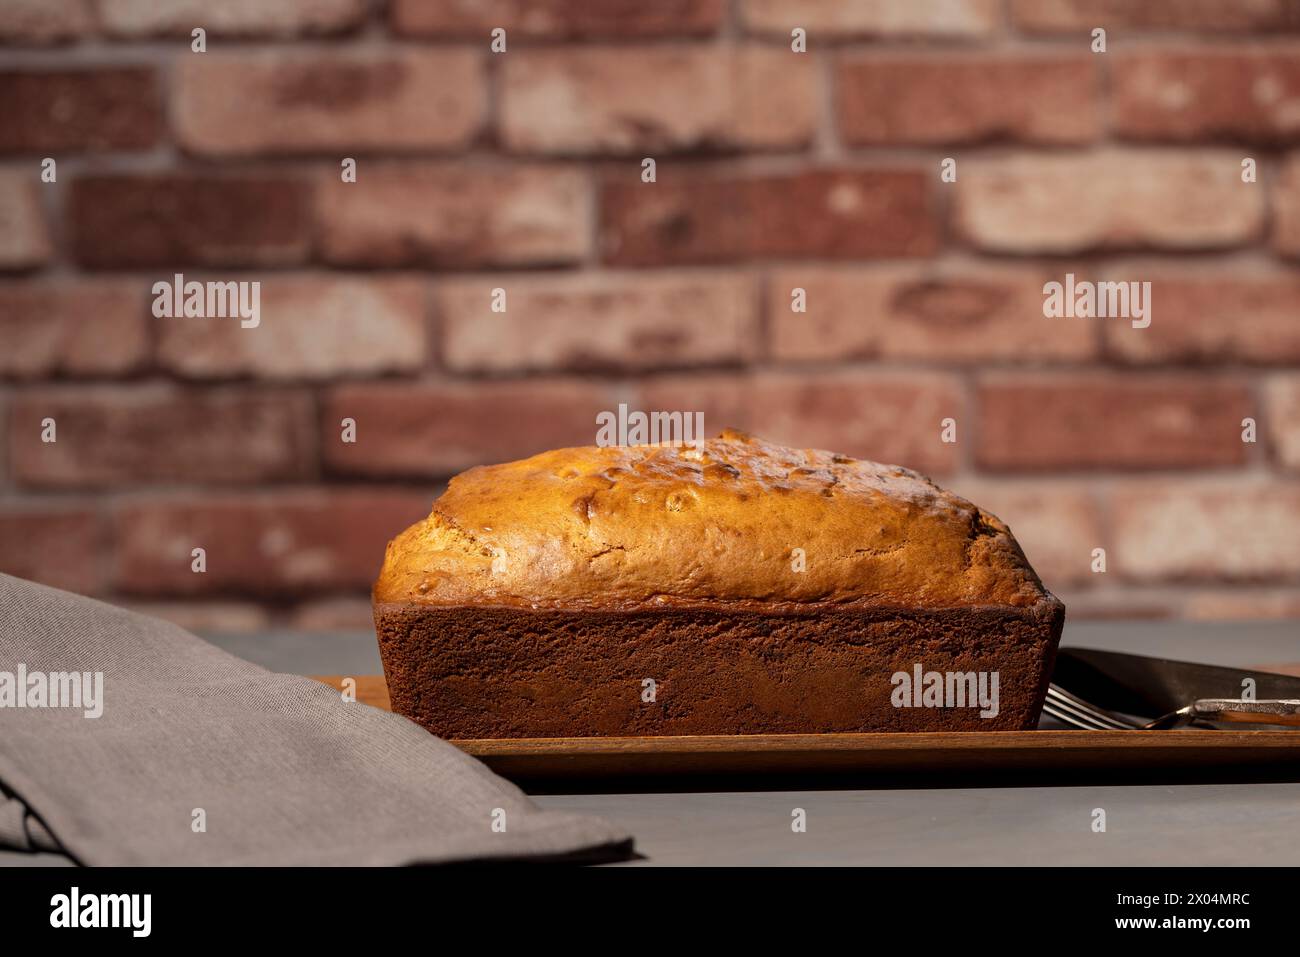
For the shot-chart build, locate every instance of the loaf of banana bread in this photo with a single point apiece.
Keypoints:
(735, 587)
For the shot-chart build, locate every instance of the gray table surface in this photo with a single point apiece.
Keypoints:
(1202, 824)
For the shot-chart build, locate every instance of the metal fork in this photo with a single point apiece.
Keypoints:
(1065, 707)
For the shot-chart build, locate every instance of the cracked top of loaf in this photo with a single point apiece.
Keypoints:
(649, 526)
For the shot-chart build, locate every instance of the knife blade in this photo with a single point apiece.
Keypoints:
(1150, 687)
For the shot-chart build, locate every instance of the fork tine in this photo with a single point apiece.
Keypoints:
(1049, 709)
(1100, 720)
(1118, 722)
(1075, 719)
(1081, 713)
(1070, 716)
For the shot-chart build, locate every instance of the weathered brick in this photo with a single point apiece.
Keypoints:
(1210, 316)
(1248, 94)
(1210, 16)
(1107, 200)
(242, 18)
(1057, 524)
(1113, 601)
(839, 19)
(44, 22)
(1242, 604)
(1282, 418)
(1286, 209)
(311, 326)
(907, 313)
(181, 219)
(207, 617)
(885, 417)
(690, 217)
(159, 433)
(54, 111)
(333, 614)
(936, 99)
(83, 328)
(434, 429)
(273, 102)
(24, 234)
(57, 545)
(451, 216)
(1088, 421)
(557, 19)
(597, 320)
(269, 543)
(1206, 529)
(616, 100)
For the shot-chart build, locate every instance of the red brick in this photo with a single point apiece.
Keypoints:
(618, 100)
(885, 417)
(938, 99)
(269, 543)
(837, 19)
(1211, 316)
(311, 327)
(1089, 421)
(451, 216)
(57, 545)
(1243, 94)
(83, 328)
(182, 219)
(1210, 16)
(159, 433)
(44, 22)
(1107, 200)
(1057, 524)
(54, 111)
(598, 320)
(284, 18)
(918, 314)
(1242, 604)
(557, 19)
(691, 217)
(277, 102)
(1240, 529)
(1286, 210)
(1111, 601)
(1282, 418)
(24, 235)
(434, 429)
(207, 617)
(333, 614)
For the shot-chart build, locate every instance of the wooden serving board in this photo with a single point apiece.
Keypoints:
(955, 756)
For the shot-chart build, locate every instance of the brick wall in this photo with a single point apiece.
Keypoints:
(521, 170)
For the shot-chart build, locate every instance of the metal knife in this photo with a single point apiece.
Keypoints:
(1152, 687)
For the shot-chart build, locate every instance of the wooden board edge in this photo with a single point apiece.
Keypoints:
(372, 690)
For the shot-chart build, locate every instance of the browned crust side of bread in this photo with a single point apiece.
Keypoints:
(495, 672)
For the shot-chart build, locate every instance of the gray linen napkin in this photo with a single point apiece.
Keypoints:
(281, 769)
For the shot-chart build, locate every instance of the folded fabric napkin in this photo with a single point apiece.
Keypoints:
(127, 740)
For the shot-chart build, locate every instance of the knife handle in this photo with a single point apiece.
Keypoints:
(1236, 711)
